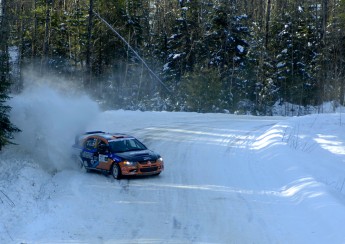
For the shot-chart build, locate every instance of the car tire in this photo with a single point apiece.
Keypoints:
(116, 171)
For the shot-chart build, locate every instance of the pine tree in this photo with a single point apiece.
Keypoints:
(295, 44)
(227, 47)
(6, 128)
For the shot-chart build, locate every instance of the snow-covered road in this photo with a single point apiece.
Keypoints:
(227, 179)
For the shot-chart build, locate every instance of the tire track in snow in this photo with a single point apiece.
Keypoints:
(229, 141)
(198, 198)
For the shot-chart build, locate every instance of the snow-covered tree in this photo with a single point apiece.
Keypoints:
(6, 127)
(295, 47)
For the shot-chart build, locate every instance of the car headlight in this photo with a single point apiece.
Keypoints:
(160, 160)
(129, 163)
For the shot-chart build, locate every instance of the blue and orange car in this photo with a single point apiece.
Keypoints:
(117, 154)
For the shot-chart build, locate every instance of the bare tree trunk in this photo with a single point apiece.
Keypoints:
(341, 83)
(324, 19)
(19, 83)
(4, 57)
(342, 92)
(2, 10)
(324, 69)
(267, 24)
(34, 37)
(88, 47)
(44, 64)
(127, 63)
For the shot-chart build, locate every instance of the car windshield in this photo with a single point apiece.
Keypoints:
(126, 145)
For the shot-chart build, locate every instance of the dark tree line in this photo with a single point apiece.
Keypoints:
(212, 56)
(7, 129)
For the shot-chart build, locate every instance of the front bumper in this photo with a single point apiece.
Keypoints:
(143, 168)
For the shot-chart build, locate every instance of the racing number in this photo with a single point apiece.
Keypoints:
(103, 152)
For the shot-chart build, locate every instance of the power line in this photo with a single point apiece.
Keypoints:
(130, 47)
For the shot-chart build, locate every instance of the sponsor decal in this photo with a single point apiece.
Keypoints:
(103, 158)
(115, 158)
(86, 154)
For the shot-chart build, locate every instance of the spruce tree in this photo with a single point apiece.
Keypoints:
(6, 128)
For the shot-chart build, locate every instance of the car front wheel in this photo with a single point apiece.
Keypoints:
(116, 171)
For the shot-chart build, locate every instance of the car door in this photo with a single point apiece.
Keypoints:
(89, 154)
(103, 155)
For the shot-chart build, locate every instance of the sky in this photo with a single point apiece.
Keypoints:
(227, 178)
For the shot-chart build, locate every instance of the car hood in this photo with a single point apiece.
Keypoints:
(143, 155)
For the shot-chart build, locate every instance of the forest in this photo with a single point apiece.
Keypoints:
(233, 56)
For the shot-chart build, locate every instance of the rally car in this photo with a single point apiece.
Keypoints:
(115, 153)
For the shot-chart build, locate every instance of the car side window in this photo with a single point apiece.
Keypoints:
(130, 144)
(102, 147)
(90, 143)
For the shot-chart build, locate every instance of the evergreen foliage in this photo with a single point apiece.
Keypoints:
(6, 127)
(214, 56)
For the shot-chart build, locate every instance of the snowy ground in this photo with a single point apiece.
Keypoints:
(227, 179)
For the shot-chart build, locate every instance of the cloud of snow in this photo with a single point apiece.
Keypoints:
(49, 119)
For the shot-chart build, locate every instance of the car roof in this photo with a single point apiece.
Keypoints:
(106, 135)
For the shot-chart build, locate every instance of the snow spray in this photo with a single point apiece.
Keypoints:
(49, 120)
